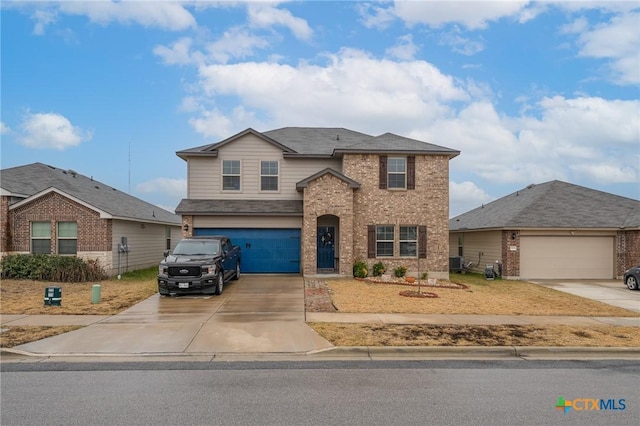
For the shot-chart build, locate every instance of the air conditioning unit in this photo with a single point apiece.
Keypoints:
(456, 263)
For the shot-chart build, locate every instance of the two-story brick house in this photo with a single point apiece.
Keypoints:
(45, 209)
(315, 200)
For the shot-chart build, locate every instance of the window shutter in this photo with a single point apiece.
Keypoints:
(371, 241)
(422, 242)
(383, 172)
(411, 172)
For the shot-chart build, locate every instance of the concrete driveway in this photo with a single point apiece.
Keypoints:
(611, 292)
(258, 313)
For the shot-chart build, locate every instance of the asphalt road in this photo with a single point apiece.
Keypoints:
(319, 393)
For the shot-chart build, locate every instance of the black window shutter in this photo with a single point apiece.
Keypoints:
(371, 241)
(411, 172)
(422, 242)
(383, 172)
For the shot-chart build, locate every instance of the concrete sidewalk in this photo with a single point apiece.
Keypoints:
(439, 319)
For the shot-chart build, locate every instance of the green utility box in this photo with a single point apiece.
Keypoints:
(52, 296)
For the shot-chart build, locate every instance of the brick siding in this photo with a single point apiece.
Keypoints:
(627, 251)
(94, 233)
(511, 258)
(427, 204)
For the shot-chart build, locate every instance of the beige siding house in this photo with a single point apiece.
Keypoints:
(315, 200)
(45, 209)
(553, 230)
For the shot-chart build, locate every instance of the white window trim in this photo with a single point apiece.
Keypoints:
(223, 175)
(400, 241)
(31, 237)
(277, 176)
(393, 251)
(389, 173)
(58, 238)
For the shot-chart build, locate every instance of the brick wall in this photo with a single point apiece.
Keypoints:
(94, 234)
(511, 258)
(327, 195)
(5, 231)
(427, 205)
(627, 251)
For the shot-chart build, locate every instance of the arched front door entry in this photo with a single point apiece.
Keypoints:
(326, 247)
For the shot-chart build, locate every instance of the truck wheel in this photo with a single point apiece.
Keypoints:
(220, 283)
(236, 276)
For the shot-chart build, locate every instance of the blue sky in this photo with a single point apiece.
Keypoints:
(527, 91)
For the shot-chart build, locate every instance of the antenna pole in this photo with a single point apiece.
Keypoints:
(129, 167)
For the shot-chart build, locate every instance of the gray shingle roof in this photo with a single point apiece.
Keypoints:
(240, 207)
(552, 204)
(327, 142)
(25, 181)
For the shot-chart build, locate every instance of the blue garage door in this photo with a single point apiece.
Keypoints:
(263, 250)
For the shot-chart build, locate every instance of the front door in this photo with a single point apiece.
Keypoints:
(326, 247)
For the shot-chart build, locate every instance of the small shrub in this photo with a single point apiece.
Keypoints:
(379, 269)
(425, 275)
(360, 269)
(46, 267)
(400, 271)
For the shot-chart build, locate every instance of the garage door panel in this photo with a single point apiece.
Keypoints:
(263, 250)
(566, 257)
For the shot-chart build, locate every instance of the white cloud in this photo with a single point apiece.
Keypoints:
(465, 196)
(374, 16)
(179, 53)
(264, 15)
(235, 43)
(167, 15)
(460, 44)
(470, 14)
(352, 87)
(51, 131)
(168, 186)
(4, 129)
(617, 41)
(405, 49)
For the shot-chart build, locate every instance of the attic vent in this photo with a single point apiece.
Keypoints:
(96, 187)
(72, 172)
(530, 186)
(337, 137)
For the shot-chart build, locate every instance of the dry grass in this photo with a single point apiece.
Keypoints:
(27, 297)
(477, 335)
(14, 336)
(499, 297)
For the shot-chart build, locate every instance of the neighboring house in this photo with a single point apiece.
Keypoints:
(49, 210)
(315, 200)
(553, 230)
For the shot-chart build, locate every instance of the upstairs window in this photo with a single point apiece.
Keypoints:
(167, 236)
(41, 237)
(384, 240)
(408, 241)
(231, 175)
(67, 238)
(397, 173)
(268, 175)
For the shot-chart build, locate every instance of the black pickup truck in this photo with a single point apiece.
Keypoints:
(199, 265)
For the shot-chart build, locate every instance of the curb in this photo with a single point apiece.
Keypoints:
(362, 353)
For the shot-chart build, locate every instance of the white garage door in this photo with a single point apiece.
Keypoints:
(566, 257)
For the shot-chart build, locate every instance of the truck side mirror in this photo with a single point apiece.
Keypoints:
(166, 253)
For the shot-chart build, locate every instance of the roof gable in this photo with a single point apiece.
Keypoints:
(212, 149)
(328, 171)
(554, 204)
(33, 180)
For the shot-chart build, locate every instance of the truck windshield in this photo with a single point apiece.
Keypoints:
(197, 248)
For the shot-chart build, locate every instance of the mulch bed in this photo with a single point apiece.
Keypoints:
(421, 294)
(421, 283)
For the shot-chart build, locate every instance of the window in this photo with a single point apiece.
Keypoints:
(268, 175)
(167, 235)
(397, 173)
(41, 237)
(460, 245)
(67, 238)
(408, 241)
(231, 175)
(384, 241)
